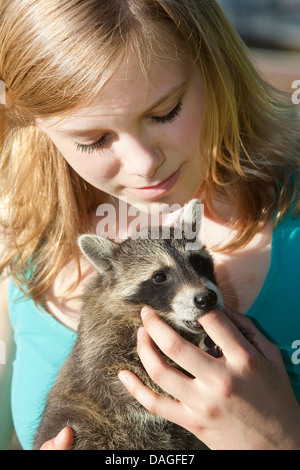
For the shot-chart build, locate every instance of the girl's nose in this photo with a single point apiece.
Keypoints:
(139, 157)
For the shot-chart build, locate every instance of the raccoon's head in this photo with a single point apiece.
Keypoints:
(179, 283)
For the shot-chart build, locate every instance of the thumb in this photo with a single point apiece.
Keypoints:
(63, 441)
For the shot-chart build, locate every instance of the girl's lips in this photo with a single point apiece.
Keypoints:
(152, 192)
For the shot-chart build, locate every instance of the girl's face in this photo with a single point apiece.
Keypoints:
(140, 138)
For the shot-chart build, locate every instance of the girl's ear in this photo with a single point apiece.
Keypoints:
(41, 125)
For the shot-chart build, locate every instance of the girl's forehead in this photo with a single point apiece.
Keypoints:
(130, 84)
(130, 89)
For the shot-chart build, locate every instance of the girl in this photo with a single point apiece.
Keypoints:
(149, 101)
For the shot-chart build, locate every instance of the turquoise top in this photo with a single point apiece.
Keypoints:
(43, 343)
(42, 346)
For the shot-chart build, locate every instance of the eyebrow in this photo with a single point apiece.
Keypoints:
(91, 132)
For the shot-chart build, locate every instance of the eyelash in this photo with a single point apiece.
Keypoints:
(169, 117)
(92, 147)
(156, 119)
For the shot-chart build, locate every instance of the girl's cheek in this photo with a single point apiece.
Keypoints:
(94, 168)
(187, 133)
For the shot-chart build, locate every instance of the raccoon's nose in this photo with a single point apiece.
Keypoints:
(207, 301)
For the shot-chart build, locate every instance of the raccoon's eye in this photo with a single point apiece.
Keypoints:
(159, 277)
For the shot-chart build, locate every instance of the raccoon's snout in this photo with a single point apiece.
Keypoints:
(207, 301)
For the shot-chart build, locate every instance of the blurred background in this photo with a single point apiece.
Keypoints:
(271, 29)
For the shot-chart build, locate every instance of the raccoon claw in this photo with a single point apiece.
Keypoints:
(211, 348)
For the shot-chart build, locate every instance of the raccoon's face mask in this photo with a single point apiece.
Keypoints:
(165, 273)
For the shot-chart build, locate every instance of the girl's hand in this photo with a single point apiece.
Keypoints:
(63, 441)
(242, 400)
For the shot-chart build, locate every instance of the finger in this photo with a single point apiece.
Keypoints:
(186, 355)
(63, 441)
(253, 335)
(165, 407)
(225, 334)
(170, 379)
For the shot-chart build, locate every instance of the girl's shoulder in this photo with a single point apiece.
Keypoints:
(289, 232)
(4, 283)
(64, 306)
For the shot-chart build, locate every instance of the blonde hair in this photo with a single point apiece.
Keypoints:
(56, 55)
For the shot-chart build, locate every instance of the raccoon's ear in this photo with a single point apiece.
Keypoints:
(98, 250)
(190, 221)
(190, 214)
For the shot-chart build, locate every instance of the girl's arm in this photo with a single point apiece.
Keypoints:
(6, 359)
(242, 400)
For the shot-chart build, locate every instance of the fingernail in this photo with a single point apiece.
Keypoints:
(144, 312)
(123, 377)
(59, 437)
(140, 333)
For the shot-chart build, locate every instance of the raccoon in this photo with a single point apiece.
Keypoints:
(87, 396)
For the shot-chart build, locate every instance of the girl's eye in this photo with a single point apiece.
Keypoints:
(92, 147)
(157, 119)
(168, 117)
